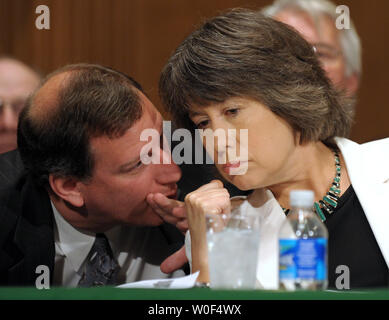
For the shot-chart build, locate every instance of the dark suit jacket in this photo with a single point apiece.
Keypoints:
(26, 225)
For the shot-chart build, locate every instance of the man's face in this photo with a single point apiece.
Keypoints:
(325, 38)
(16, 84)
(120, 183)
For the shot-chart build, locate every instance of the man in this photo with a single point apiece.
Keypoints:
(339, 50)
(17, 82)
(73, 196)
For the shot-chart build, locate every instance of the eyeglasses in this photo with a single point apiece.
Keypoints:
(326, 53)
(16, 106)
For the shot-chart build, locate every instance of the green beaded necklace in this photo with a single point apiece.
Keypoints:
(330, 201)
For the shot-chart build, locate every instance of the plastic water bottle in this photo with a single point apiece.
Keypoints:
(302, 246)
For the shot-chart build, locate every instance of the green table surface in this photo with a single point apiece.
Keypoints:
(110, 293)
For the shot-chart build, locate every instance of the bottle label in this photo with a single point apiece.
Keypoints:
(303, 259)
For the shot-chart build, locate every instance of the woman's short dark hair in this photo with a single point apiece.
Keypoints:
(94, 101)
(242, 53)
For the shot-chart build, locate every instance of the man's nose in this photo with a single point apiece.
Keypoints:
(168, 171)
(8, 118)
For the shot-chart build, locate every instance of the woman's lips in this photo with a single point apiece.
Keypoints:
(229, 167)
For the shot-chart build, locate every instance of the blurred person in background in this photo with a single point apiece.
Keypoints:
(338, 50)
(17, 82)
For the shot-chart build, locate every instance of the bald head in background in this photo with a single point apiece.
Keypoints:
(17, 82)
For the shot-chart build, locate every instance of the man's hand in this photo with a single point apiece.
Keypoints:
(174, 212)
(170, 210)
(210, 198)
(175, 261)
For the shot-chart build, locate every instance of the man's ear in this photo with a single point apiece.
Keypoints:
(67, 188)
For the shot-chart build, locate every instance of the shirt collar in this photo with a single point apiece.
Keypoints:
(73, 243)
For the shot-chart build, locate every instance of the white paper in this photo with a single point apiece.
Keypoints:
(174, 283)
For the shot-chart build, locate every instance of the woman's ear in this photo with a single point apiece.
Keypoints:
(67, 188)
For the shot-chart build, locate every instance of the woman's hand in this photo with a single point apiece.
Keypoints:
(211, 198)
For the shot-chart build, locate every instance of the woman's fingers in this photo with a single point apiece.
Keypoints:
(211, 201)
(214, 184)
(197, 198)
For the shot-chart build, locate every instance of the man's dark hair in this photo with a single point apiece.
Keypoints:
(93, 101)
(242, 53)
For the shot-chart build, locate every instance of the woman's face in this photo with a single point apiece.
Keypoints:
(266, 153)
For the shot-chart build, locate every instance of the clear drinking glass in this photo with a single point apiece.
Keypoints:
(233, 242)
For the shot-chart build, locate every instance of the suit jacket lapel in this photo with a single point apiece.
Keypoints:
(368, 171)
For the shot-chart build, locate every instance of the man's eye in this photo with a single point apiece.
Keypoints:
(138, 165)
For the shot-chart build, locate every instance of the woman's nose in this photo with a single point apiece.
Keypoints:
(219, 140)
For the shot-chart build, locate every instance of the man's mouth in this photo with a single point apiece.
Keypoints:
(172, 196)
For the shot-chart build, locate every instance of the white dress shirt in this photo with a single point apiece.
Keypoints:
(138, 251)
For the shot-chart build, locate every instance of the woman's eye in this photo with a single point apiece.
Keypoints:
(232, 112)
(202, 124)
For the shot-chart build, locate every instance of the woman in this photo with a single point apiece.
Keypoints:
(241, 70)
